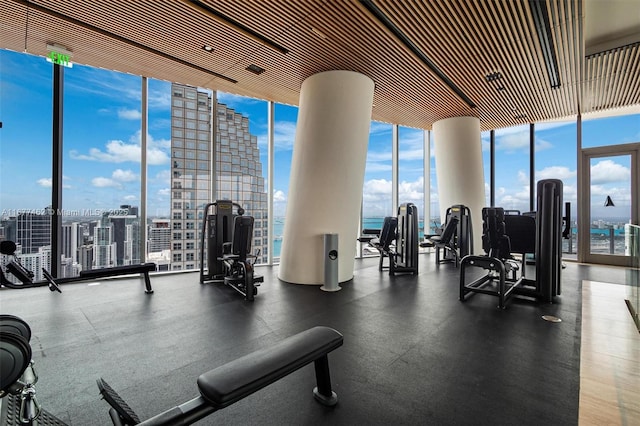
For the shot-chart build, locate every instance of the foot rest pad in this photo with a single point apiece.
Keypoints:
(122, 408)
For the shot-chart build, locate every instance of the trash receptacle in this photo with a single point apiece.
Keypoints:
(330, 263)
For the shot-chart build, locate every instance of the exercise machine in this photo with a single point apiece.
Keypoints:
(523, 234)
(227, 237)
(397, 240)
(404, 258)
(383, 240)
(15, 268)
(18, 377)
(456, 236)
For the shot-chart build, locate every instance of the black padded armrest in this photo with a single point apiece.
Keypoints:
(233, 381)
(365, 239)
(371, 231)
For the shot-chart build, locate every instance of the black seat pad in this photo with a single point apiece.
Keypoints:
(119, 270)
(233, 381)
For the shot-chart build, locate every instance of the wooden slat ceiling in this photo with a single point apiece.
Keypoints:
(465, 39)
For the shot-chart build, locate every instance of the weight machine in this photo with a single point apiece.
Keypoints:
(228, 238)
(507, 234)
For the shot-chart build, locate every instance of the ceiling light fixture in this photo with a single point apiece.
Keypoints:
(234, 25)
(495, 79)
(393, 29)
(114, 36)
(543, 28)
(207, 48)
(255, 69)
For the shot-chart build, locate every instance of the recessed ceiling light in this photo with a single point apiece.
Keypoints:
(255, 69)
(207, 48)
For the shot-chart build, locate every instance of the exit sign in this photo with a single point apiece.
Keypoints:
(59, 59)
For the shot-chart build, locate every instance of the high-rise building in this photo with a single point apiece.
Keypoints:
(85, 257)
(104, 249)
(33, 230)
(159, 235)
(239, 170)
(70, 241)
(126, 235)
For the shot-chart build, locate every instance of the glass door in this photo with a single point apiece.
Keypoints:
(610, 203)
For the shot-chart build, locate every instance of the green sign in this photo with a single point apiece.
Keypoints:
(59, 59)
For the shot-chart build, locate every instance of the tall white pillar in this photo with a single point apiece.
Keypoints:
(459, 168)
(327, 174)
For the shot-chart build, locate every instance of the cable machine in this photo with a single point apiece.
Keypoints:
(227, 237)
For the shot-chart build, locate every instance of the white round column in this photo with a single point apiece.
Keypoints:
(459, 168)
(327, 175)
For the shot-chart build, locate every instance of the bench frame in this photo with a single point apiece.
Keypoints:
(219, 389)
(142, 268)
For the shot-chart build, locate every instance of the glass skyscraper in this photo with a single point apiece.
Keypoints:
(238, 177)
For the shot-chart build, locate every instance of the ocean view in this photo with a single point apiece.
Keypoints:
(600, 233)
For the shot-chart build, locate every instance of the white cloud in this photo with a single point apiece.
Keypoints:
(117, 151)
(45, 182)
(129, 114)
(124, 175)
(103, 182)
(130, 197)
(279, 196)
(164, 192)
(411, 191)
(378, 127)
(375, 188)
(373, 167)
(160, 99)
(373, 156)
(556, 172)
(523, 177)
(513, 142)
(284, 134)
(48, 182)
(118, 177)
(607, 171)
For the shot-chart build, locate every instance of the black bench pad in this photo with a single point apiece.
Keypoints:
(233, 381)
(119, 270)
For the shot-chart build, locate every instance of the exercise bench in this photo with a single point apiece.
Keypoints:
(231, 382)
(142, 269)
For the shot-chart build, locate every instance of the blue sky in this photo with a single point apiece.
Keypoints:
(102, 146)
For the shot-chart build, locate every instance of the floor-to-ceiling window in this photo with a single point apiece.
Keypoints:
(241, 144)
(285, 121)
(485, 138)
(25, 160)
(159, 174)
(555, 158)
(434, 201)
(411, 170)
(376, 193)
(611, 147)
(101, 168)
(512, 168)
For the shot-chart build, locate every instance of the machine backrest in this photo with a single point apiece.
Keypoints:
(495, 241)
(242, 236)
(388, 232)
(449, 230)
(522, 233)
